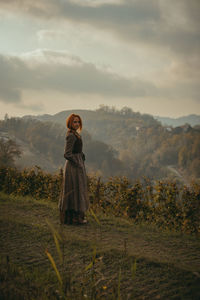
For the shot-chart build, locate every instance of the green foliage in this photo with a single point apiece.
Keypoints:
(164, 203)
(33, 182)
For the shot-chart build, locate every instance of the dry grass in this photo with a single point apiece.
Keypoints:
(168, 263)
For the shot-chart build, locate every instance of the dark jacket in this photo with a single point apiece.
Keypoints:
(74, 145)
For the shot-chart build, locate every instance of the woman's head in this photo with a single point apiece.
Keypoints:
(74, 122)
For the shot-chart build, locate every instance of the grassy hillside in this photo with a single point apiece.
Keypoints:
(167, 264)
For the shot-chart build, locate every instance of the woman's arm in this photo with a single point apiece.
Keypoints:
(70, 140)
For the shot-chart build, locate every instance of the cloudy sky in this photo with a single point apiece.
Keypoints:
(67, 54)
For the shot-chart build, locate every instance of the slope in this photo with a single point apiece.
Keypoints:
(168, 264)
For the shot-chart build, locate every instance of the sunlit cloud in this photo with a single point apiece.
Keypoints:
(143, 51)
(48, 70)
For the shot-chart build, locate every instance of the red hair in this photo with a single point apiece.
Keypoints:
(70, 120)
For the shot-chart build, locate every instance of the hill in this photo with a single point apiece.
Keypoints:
(42, 144)
(116, 143)
(30, 156)
(167, 263)
(106, 124)
(192, 120)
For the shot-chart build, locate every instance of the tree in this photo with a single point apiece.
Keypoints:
(9, 150)
(6, 117)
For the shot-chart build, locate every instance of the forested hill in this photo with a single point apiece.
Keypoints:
(107, 124)
(116, 143)
(42, 144)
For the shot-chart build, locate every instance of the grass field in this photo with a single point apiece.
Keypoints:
(167, 263)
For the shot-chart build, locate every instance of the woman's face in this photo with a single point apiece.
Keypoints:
(76, 123)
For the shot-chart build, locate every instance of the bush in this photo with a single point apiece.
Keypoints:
(164, 203)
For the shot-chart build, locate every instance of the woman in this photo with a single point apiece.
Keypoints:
(74, 199)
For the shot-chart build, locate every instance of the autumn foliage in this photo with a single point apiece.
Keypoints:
(167, 204)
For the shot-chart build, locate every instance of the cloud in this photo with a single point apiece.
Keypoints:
(10, 92)
(10, 95)
(45, 34)
(185, 69)
(36, 107)
(169, 25)
(43, 71)
(58, 71)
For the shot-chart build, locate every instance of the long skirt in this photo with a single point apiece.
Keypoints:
(74, 195)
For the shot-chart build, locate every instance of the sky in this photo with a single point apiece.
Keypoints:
(57, 55)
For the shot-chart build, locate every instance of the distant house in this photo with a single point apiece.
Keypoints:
(168, 128)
